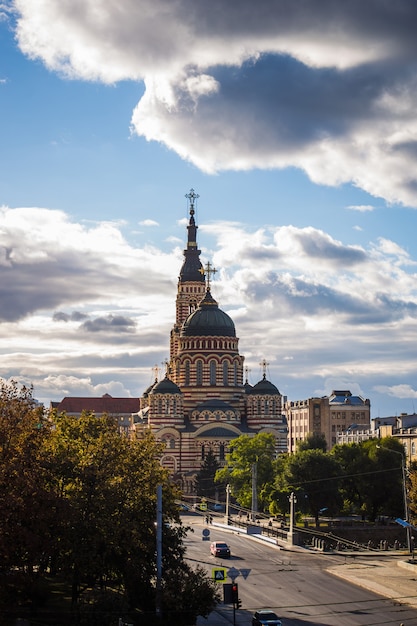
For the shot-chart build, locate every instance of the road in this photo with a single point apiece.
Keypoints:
(294, 584)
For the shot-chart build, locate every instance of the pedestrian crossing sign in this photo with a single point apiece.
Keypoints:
(219, 574)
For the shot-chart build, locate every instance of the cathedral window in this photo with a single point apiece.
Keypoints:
(187, 373)
(202, 452)
(221, 452)
(199, 372)
(225, 373)
(172, 443)
(160, 406)
(213, 372)
(235, 372)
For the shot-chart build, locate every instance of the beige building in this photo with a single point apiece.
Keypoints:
(404, 428)
(329, 415)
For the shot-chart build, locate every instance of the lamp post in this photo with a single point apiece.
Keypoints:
(403, 474)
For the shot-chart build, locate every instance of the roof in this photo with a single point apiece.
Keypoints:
(208, 320)
(105, 404)
(217, 432)
(165, 386)
(214, 404)
(264, 387)
(346, 398)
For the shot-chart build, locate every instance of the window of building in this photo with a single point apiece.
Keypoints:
(199, 372)
(187, 372)
(225, 373)
(213, 369)
(221, 452)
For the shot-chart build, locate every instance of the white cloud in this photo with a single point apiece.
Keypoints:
(362, 208)
(148, 222)
(76, 322)
(321, 85)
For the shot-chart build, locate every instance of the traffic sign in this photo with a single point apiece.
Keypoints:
(233, 573)
(245, 573)
(206, 534)
(219, 574)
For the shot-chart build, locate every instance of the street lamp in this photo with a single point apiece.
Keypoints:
(408, 528)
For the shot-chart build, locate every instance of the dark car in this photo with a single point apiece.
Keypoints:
(265, 617)
(219, 548)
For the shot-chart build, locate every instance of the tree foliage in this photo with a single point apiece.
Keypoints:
(204, 484)
(313, 476)
(313, 441)
(78, 501)
(244, 453)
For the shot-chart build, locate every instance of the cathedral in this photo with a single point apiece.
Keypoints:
(203, 402)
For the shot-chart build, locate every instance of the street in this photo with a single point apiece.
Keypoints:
(294, 584)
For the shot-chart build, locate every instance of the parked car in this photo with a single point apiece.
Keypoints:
(219, 548)
(265, 617)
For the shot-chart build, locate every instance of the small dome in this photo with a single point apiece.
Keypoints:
(149, 389)
(207, 320)
(165, 386)
(264, 388)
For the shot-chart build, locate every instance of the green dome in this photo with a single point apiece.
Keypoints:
(208, 320)
(165, 386)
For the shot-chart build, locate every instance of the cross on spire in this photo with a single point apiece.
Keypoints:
(264, 365)
(207, 271)
(192, 196)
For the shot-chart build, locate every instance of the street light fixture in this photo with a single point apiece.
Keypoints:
(403, 474)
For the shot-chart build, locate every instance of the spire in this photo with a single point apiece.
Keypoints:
(191, 268)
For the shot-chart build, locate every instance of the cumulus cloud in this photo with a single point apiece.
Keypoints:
(327, 87)
(78, 322)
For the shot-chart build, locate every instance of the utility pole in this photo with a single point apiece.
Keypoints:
(227, 503)
(254, 491)
(158, 595)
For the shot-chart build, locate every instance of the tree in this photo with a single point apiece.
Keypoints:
(29, 511)
(78, 501)
(204, 483)
(372, 476)
(313, 441)
(314, 475)
(244, 452)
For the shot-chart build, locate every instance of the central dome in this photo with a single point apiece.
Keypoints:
(207, 320)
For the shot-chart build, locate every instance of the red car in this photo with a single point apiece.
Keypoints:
(219, 548)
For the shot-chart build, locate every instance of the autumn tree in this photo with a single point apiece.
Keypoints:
(29, 511)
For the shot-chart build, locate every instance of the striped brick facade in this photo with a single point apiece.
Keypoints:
(203, 403)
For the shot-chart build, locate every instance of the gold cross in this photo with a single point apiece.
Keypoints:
(207, 270)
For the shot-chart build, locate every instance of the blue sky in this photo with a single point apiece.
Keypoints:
(296, 125)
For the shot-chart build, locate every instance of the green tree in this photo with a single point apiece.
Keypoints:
(313, 441)
(245, 452)
(204, 483)
(372, 476)
(314, 476)
(29, 512)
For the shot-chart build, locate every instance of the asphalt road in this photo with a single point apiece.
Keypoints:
(294, 584)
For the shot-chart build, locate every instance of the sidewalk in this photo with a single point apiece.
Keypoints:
(390, 576)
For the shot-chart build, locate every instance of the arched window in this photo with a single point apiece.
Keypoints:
(221, 452)
(178, 371)
(199, 372)
(413, 448)
(202, 452)
(213, 372)
(235, 381)
(187, 373)
(225, 373)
